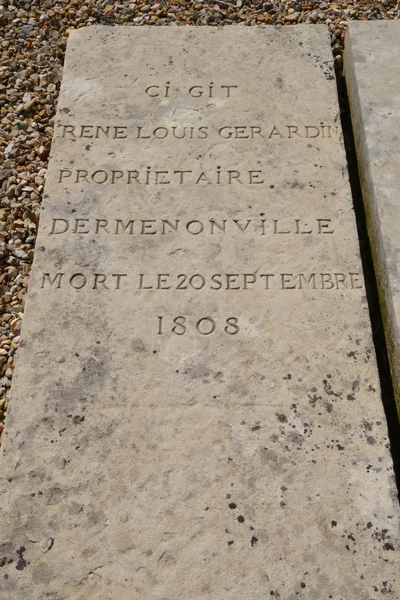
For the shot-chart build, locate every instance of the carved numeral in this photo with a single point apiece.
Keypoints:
(204, 326)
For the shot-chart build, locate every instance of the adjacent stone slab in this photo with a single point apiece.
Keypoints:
(196, 412)
(372, 69)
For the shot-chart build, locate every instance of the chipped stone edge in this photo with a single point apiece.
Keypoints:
(369, 195)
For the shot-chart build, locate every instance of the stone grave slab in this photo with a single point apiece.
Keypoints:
(196, 410)
(372, 69)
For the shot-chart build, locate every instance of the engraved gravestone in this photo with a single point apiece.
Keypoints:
(372, 69)
(196, 412)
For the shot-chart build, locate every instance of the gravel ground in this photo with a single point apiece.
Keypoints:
(33, 36)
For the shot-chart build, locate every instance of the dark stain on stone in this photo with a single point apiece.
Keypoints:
(296, 185)
(295, 438)
(313, 398)
(230, 542)
(388, 546)
(382, 536)
(387, 588)
(253, 540)
(78, 419)
(232, 506)
(333, 523)
(138, 345)
(255, 427)
(241, 519)
(21, 564)
(329, 389)
(281, 418)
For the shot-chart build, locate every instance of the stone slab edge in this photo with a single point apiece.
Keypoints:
(389, 316)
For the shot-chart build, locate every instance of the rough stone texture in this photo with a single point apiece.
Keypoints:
(33, 42)
(250, 463)
(372, 70)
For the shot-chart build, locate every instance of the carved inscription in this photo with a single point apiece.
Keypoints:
(190, 132)
(195, 282)
(193, 227)
(218, 227)
(197, 411)
(211, 90)
(150, 176)
(204, 326)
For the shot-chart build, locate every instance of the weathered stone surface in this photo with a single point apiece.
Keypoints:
(372, 68)
(241, 450)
